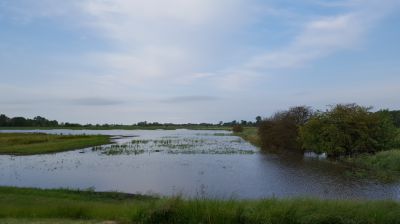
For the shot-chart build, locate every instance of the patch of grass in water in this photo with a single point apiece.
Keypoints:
(223, 134)
(173, 146)
(140, 141)
(116, 149)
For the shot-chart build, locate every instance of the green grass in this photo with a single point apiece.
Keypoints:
(385, 165)
(250, 134)
(52, 221)
(36, 143)
(28, 204)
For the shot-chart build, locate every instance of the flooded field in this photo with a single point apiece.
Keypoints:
(211, 164)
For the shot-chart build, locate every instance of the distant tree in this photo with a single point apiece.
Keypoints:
(40, 121)
(142, 123)
(18, 122)
(4, 120)
(258, 120)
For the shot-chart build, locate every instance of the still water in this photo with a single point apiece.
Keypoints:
(211, 164)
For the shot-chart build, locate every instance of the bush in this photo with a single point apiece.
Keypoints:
(237, 128)
(348, 130)
(281, 131)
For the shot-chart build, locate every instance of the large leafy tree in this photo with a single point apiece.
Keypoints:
(348, 129)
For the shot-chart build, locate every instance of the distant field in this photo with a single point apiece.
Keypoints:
(26, 205)
(35, 143)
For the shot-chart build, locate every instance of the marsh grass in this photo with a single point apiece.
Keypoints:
(35, 204)
(38, 143)
(174, 145)
(250, 134)
(385, 165)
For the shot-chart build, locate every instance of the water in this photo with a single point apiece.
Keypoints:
(210, 164)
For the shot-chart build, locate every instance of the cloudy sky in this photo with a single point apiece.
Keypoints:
(124, 61)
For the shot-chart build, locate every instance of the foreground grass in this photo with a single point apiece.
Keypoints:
(36, 143)
(28, 204)
(250, 134)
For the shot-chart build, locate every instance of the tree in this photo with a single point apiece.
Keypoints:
(258, 120)
(347, 130)
(18, 122)
(281, 131)
(4, 120)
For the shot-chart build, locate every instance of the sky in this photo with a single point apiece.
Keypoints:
(125, 61)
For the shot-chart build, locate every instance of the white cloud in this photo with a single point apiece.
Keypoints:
(188, 49)
(326, 35)
(166, 40)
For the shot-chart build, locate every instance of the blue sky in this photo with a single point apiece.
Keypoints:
(124, 61)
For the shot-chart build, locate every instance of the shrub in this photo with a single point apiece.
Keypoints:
(237, 128)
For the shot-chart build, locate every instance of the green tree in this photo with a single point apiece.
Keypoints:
(258, 120)
(347, 130)
(4, 120)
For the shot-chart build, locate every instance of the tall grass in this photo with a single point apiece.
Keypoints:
(385, 160)
(250, 134)
(33, 204)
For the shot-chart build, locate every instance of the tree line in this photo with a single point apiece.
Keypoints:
(341, 130)
(39, 121)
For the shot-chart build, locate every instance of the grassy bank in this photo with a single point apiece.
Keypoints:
(249, 134)
(385, 164)
(35, 143)
(33, 204)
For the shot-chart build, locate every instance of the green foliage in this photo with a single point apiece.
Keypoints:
(237, 128)
(348, 130)
(33, 204)
(281, 131)
(394, 115)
